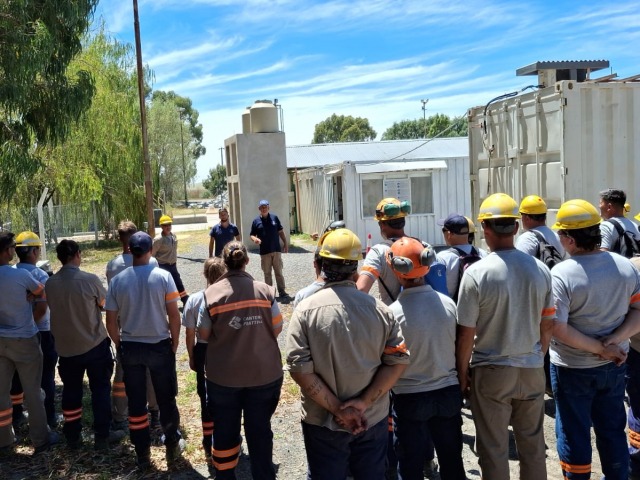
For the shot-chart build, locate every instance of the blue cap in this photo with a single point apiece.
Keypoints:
(456, 224)
(140, 243)
(263, 202)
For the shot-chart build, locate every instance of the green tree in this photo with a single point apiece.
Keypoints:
(438, 125)
(338, 128)
(173, 124)
(101, 159)
(217, 181)
(190, 118)
(39, 99)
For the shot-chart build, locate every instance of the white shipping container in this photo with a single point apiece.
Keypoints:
(569, 140)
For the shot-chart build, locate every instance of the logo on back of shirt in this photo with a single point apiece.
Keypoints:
(239, 322)
(236, 322)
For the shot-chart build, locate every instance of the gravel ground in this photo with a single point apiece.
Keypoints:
(289, 454)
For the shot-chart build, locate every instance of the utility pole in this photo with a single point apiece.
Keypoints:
(424, 115)
(148, 186)
(184, 164)
(221, 156)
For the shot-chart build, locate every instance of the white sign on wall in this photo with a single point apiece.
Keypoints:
(399, 188)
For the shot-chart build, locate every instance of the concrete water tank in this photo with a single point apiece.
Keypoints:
(264, 117)
(246, 120)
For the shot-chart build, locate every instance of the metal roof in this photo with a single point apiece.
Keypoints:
(534, 68)
(316, 155)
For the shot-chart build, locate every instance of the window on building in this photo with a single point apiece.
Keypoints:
(421, 194)
(416, 189)
(371, 195)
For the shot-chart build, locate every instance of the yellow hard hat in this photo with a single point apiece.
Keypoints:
(28, 239)
(341, 244)
(165, 220)
(391, 208)
(410, 258)
(498, 205)
(637, 217)
(533, 205)
(576, 214)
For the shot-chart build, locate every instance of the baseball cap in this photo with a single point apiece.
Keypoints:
(140, 243)
(456, 224)
(263, 202)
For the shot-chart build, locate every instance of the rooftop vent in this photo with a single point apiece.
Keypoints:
(552, 72)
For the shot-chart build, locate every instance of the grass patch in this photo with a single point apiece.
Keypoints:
(190, 239)
(94, 258)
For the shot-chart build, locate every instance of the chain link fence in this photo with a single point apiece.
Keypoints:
(60, 221)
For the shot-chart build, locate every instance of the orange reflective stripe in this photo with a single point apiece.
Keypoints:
(138, 426)
(17, 399)
(183, 294)
(239, 305)
(207, 428)
(6, 417)
(139, 419)
(634, 438)
(72, 418)
(371, 270)
(567, 467)
(548, 312)
(227, 453)
(635, 298)
(226, 465)
(277, 320)
(171, 296)
(72, 412)
(390, 350)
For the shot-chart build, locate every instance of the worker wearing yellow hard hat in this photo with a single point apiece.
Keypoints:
(165, 249)
(598, 295)
(505, 316)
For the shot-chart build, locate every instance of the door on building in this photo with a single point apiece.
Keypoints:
(337, 197)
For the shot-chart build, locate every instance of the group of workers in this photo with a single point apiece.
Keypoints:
(488, 346)
(382, 381)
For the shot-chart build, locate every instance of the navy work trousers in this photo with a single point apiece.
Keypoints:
(227, 406)
(98, 364)
(424, 416)
(160, 360)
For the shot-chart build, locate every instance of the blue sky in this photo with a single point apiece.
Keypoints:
(369, 58)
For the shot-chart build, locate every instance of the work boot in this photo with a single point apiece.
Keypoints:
(52, 439)
(115, 436)
(174, 452)
(143, 461)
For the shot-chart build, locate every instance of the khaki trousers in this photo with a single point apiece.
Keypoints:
(24, 356)
(269, 261)
(503, 395)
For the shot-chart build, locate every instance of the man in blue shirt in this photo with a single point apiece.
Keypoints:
(266, 231)
(20, 347)
(222, 233)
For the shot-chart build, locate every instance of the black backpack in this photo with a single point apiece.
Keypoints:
(627, 244)
(547, 253)
(464, 261)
